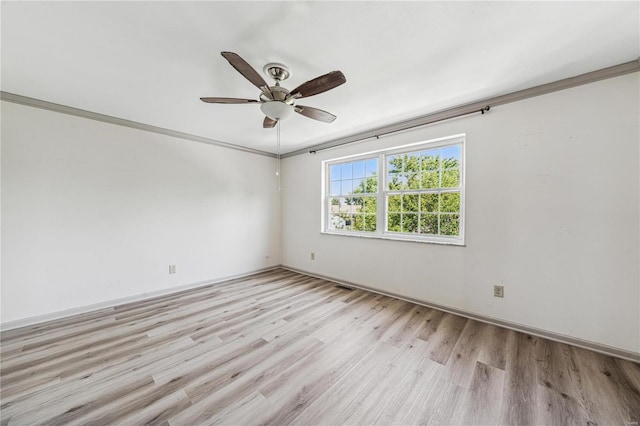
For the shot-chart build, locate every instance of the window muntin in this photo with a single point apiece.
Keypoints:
(420, 196)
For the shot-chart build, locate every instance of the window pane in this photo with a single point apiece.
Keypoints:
(335, 172)
(410, 222)
(370, 204)
(334, 205)
(358, 169)
(335, 188)
(450, 202)
(410, 203)
(429, 224)
(393, 224)
(394, 203)
(364, 222)
(370, 222)
(430, 180)
(358, 222)
(450, 178)
(346, 187)
(394, 164)
(411, 163)
(358, 186)
(344, 207)
(372, 167)
(412, 181)
(449, 224)
(356, 204)
(346, 170)
(451, 157)
(336, 216)
(336, 222)
(371, 184)
(428, 203)
(353, 205)
(348, 221)
(395, 181)
(431, 160)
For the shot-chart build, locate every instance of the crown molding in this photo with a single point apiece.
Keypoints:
(63, 109)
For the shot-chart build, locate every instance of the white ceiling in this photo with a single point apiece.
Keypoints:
(150, 62)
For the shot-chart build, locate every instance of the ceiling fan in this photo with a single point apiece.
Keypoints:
(276, 102)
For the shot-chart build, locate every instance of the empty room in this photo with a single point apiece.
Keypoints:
(320, 213)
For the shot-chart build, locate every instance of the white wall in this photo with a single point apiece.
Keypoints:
(93, 212)
(552, 213)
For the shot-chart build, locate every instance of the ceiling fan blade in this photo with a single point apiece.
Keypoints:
(315, 113)
(214, 100)
(246, 70)
(268, 123)
(319, 85)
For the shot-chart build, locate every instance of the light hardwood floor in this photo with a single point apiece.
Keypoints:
(283, 348)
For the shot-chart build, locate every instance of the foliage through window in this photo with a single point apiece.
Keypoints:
(420, 195)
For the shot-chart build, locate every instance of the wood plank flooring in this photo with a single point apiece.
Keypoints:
(282, 348)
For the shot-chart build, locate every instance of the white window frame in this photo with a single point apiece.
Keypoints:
(383, 192)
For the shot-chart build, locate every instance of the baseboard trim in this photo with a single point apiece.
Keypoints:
(25, 322)
(569, 340)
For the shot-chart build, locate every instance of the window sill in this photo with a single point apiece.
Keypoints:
(443, 242)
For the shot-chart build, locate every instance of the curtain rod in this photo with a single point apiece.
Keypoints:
(436, 118)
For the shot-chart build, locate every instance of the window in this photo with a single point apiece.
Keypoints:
(415, 192)
(353, 198)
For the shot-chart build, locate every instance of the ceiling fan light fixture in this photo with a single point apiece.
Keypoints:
(276, 110)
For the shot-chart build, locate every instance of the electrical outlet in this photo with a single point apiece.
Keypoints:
(313, 256)
(498, 291)
(172, 269)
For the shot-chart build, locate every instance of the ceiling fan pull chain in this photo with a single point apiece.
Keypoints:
(278, 154)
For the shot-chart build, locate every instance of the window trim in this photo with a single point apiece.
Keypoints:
(383, 192)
